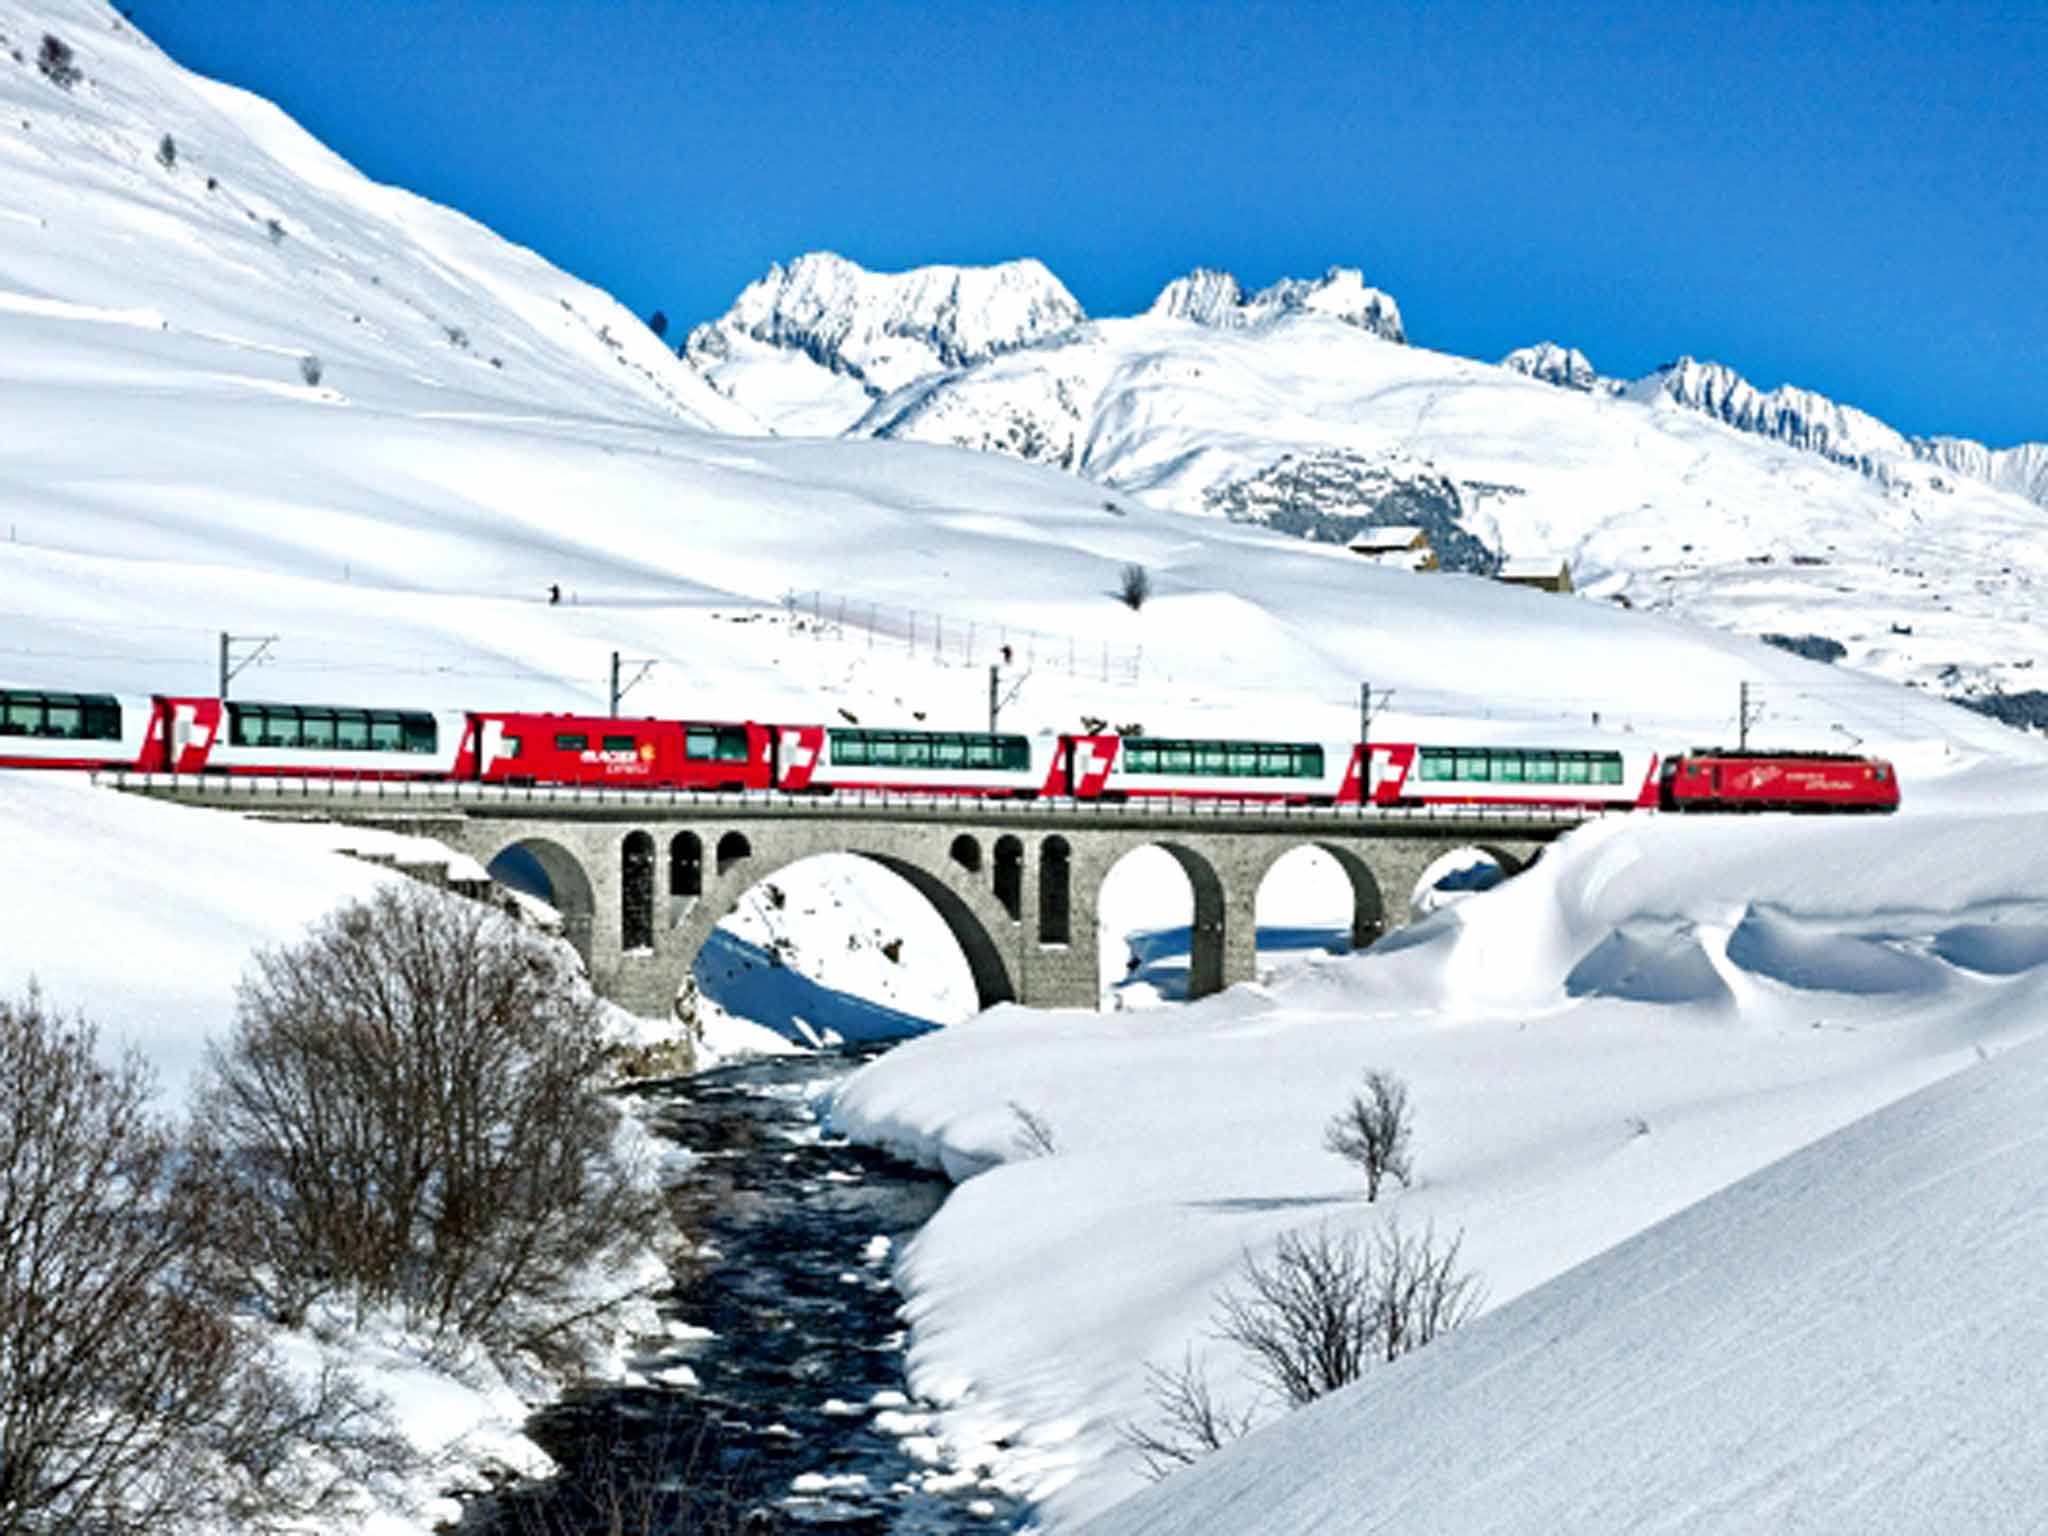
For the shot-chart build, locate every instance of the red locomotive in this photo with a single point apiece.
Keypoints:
(160, 734)
(1711, 779)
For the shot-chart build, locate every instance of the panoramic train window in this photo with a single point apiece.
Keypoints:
(618, 743)
(929, 749)
(1510, 765)
(299, 727)
(69, 716)
(1223, 759)
(717, 743)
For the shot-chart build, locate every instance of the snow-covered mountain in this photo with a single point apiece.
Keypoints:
(1689, 490)
(182, 219)
(1208, 297)
(1798, 417)
(1566, 367)
(864, 333)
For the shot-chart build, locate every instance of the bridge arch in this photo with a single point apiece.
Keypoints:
(1368, 917)
(1206, 958)
(543, 867)
(960, 906)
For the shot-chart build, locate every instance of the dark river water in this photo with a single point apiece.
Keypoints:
(783, 1404)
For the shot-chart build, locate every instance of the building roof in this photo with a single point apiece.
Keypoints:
(1398, 537)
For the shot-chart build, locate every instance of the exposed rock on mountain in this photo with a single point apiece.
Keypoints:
(1786, 414)
(1566, 367)
(2022, 470)
(1216, 299)
(1335, 496)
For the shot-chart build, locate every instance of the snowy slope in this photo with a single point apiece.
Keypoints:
(1847, 1340)
(255, 247)
(1657, 1009)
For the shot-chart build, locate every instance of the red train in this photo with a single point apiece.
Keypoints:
(160, 734)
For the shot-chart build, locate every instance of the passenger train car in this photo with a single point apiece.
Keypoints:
(158, 733)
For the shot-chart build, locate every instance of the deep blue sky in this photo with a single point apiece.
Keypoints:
(1852, 197)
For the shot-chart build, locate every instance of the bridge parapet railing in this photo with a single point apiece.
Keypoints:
(312, 789)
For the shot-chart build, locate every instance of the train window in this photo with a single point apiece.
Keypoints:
(1573, 769)
(914, 751)
(1542, 767)
(1436, 763)
(949, 752)
(1507, 767)
(351, 730)
(422, 732)
(24, 715)
(1609, 764)
(1243, 759)
(618, 743)
(316, 729)
(732, 744)
(64, 719)
(1473, 768)
(511, 746)
(572, 742)
(700, 741)
(848, 748)
(387, 732)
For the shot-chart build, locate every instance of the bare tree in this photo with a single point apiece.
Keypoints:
(1193, 1420)
(1372, 1131)
(405, 1114)
(167, 152)
(1134, 585)
(1308, 1317)
(1327, 1305)
(311, 368)
(131, 1398)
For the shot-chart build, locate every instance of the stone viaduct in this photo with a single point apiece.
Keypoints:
(641, 879)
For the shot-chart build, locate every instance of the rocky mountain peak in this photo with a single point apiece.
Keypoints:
(885, 329)
(1217, 299)
(1566, 367)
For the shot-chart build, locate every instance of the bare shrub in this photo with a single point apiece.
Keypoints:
(1034, 1135)
(1422, 1292)
(405, 1115)
(311, 369)
(1328, 1305)
(131, 1398)
(1134, 585)
(1192, 1420)
(275, 229)
(1373, 1130)
(58, 63)
(167, 152)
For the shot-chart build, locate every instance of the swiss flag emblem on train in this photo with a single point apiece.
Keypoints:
(798, 749)
(1088, 759)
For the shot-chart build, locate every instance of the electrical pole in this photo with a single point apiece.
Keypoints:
(996, 698)
(229, 667)
(619, 691)
(1745, 714)
(1365, 741)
